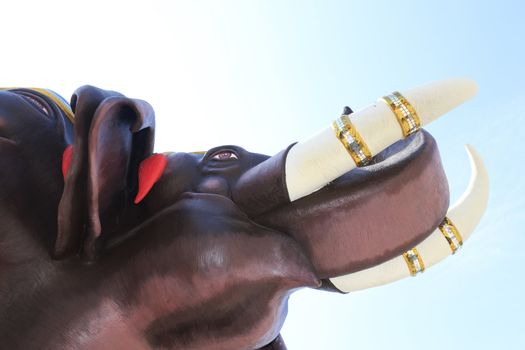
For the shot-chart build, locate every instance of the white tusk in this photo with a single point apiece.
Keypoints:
(314, 163)
(465, 215)
(469, 208)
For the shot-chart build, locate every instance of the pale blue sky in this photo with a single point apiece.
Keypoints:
(263, 74)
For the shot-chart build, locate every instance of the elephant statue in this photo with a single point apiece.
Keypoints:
(107, 245)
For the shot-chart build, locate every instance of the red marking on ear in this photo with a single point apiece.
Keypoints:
(150, 171)
(66, 160)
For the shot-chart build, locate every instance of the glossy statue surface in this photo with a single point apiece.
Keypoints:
(207, 258)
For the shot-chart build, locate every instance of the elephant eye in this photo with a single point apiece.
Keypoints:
(36, 103)
(224, 155)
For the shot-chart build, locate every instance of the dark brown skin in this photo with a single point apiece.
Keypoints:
(208, 259)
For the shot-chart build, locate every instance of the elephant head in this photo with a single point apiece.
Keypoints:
(107, 245)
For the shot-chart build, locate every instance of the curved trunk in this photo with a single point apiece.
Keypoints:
(370, 214)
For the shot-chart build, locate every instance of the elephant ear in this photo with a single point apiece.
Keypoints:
(113, 134)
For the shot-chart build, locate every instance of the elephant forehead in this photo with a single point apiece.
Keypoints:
(201, 266)
(206, 243)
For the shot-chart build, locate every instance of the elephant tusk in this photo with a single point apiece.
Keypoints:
(314, 163)
(459, 224)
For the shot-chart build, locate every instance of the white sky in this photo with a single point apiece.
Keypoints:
(263, 74)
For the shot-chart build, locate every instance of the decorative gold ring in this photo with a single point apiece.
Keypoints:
(451, 234)
(414, 262)
(351, 140)
(406, 114)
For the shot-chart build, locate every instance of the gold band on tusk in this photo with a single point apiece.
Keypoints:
(451, 234)
(406, 114)
(351, 140)
(414, 262)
